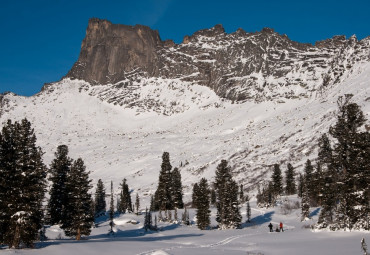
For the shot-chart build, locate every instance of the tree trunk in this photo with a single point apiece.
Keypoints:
(78, 237)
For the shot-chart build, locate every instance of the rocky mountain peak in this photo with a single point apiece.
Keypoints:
(239, 66)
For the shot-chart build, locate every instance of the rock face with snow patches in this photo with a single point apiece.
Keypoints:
(239, 66)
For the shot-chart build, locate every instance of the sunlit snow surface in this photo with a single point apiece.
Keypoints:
(253, 238)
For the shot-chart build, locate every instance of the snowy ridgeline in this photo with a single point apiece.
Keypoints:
(176, 239)
(127, 141)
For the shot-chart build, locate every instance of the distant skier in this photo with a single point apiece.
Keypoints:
(270, 226)
(281, 227)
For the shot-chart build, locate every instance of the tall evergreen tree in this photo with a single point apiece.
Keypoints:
(277, 181)
(163, 194)
(59, 169)
(351, 157)
(305, 203)
(195, 195)
(290, 187)
(111, 209)
(177, 189)
(248, 212)
(300, 185)
(79, 219)
(228, 214)
(99, 202)
(137, 203)
(22, 185)
(203, 213)
(309, 180)
(125, 198)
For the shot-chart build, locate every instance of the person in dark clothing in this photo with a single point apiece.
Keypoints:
(270, 226)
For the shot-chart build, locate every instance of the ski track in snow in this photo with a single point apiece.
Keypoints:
(220, 243)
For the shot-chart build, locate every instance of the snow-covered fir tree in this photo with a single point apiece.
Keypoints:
(22, 185)
(203, 202)
(99, 202)
(59, 169)
(241, 194)
(79, 218)
(137, 203)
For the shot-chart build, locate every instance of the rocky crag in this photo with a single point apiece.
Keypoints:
(238, 66)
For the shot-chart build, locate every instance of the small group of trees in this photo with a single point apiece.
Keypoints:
(339, 181)
(275, 188)
(168, 195)
(22, 185)
(70, 203)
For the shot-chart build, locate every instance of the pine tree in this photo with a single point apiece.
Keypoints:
(79, 219)
(351, 157)
(300, 185)
(290, 187)
(203, 213)
(163, 194)
(309, 181)
(152, 204)
(228, 214)
(177, 189)
(59, 169)
(277, 181)
(137, 203)
(100, 204)
(305, 203)
(195, 195)
(125, 198)
(111, 209)
(22, 185)
(248, 212)
(185, 217)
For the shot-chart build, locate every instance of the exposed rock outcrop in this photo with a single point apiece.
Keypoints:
(238, 66)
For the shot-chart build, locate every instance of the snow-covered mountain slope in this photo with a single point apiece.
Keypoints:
(190, 121)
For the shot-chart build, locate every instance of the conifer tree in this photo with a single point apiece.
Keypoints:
(111, 209)
(228, 214)
(177, 189)
(22, 185)
(309, 181)
(100, 204)
(137, 203)
(300, 185)
(290, 187)
(78, 219)
(277, 181)
(125, 198)
(152, 204)
(185, 217)
(305, 203)
(163, 194)
(195, 195)
(203, 213)
(248, 213)
(59, 169)
(351, 155)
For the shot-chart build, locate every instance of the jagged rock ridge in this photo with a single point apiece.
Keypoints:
(239, 66)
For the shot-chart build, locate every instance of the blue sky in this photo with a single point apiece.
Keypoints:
(41, 39)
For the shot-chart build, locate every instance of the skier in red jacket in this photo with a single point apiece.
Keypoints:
(281, 227)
